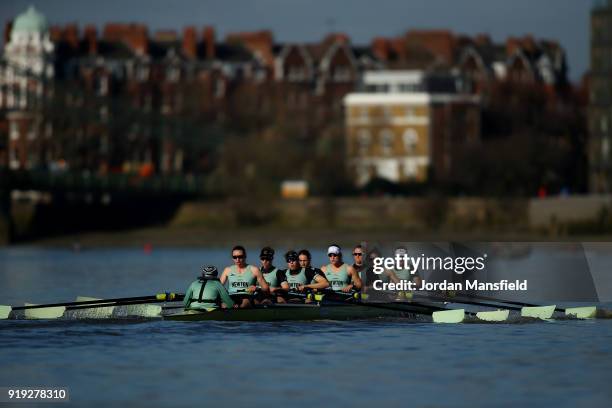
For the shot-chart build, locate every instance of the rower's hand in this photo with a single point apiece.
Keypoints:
(347, 288)
(251, 288)
(301, 288)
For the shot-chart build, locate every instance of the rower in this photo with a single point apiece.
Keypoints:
(358, 258)
(298, 279)
(406, 274)
(207, 293)
(341, 276)
(386, 276)
(305, 261)
(242, 278)
(268, 270)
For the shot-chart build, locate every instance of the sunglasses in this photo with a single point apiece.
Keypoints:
(238, 256)
(333, 255)
(263, 258)
(357, 253)
(291, 260)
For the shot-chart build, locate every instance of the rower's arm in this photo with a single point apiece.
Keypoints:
(320, 283)
(225, 297)
(392, 276)
(260, 280)
(355, 278)
(224, 276)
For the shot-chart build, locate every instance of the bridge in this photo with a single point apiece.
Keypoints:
(68, 201)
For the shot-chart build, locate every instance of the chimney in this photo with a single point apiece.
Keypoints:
(134, 36)
(529, 43)
(380, 48)
(333, 38)
(190, 42)
(398, 45)
(55, 33)
(209, 42)
(91, 38)
(512, 44)
(137, 38)
(482, 39)
(7, 31)
(258, 42)
(71, 36)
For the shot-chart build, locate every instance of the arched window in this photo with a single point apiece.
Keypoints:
(386, 142)
(410, 139)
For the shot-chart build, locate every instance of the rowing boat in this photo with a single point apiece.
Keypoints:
(329, 306)
(288, 312)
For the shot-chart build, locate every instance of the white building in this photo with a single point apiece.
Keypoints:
(402, 125)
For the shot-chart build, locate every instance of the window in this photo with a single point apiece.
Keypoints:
(363, 112)
(410, 139)
(410, 170)
(173, 74)
(296, 73)
(387, 112)
(14, 131)
(363, 141)
(386, 142)
(342, 74)
(219, 88)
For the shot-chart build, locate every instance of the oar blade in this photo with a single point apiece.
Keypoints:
(585, 312)
(493, 315)
(45, 312)
(5, 311)
(94, 312)
(538, 312)
(448, 316)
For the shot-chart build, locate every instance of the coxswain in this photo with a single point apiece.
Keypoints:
(242, 279)
(207, 293)
(300, 279)
(341, 277)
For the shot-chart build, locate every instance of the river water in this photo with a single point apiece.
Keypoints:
(361, 363)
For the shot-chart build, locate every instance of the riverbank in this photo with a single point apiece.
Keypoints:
(194, 237)
(316, 221)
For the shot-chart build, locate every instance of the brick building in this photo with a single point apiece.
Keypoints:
(130, 90)
(123, 99)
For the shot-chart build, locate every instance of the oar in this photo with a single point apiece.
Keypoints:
(438, 314)
(55, 308)
(584, 312)
(533, 311)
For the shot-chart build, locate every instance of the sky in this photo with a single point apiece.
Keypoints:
(565, 21)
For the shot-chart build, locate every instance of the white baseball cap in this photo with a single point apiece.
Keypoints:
(334, 249)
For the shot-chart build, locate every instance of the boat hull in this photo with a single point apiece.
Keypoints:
(297, 312)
